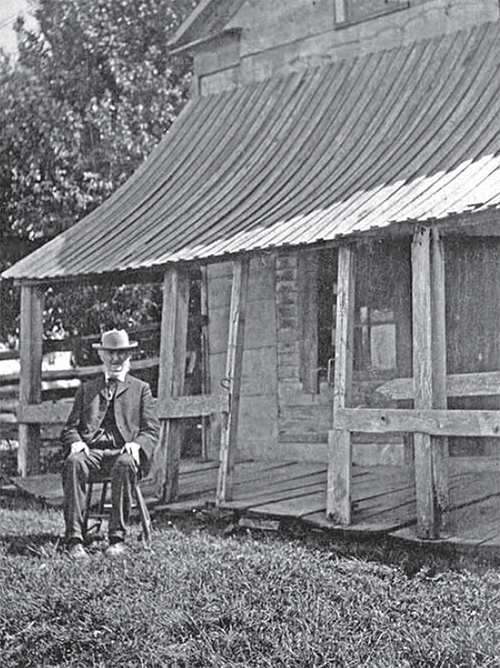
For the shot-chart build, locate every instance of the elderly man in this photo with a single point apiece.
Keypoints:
(112, 430)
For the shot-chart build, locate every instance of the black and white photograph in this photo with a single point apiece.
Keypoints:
(250, 333)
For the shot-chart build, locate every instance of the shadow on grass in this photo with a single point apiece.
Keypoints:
(29, 545)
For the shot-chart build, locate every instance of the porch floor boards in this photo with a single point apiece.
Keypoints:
(383, 497)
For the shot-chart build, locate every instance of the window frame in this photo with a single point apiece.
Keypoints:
(343, 18)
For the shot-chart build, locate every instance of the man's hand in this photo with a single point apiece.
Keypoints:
(78, 446)
(133, 449)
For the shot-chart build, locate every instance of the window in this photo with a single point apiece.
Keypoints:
(382, 320)
(382, 346)
(374, 340)
(353, 11)
(382, 313)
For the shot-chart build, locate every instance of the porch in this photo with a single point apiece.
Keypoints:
(440, 499)
(383, 499)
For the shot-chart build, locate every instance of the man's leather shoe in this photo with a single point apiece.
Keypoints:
(116, 550)
(77, 552)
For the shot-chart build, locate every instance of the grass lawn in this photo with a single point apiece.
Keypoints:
(205, 598)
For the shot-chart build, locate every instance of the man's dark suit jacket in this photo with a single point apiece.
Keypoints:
(135, 414)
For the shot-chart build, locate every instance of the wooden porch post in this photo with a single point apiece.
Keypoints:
(173, 344)
(429, 377)
(30, 381)
(338, 495)
(206, 431)
(234, 364)
(439, 444)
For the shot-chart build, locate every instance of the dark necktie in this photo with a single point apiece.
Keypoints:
(111, 388)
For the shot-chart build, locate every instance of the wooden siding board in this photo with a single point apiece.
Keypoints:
(261, 332)
(280, 23)
(304, 437)
(258, 422)
(262, 271)
(259, 372)
(219, 327)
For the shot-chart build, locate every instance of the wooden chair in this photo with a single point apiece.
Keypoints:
(100, 513)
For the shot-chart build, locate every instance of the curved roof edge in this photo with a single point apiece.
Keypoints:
(411, 134)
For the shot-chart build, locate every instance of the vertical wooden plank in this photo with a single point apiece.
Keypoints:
(438, 321)
(206, 431)
(338, 496)
(308, 296)
(173, 341)
(423, 379)
(439, 445)
(401, 261)
(30, 380)
(402, 308)
(234, 364)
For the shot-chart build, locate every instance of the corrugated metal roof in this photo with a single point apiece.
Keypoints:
(408, 134)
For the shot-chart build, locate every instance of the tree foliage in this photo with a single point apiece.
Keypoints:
(93, 89)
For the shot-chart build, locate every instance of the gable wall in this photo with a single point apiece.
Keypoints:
(286, 35)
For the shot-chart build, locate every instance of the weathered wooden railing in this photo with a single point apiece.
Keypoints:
(172, 408)
(433, 421)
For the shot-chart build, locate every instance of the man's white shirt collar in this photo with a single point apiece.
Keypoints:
(120, 376)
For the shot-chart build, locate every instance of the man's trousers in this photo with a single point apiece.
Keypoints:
(77, 470)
